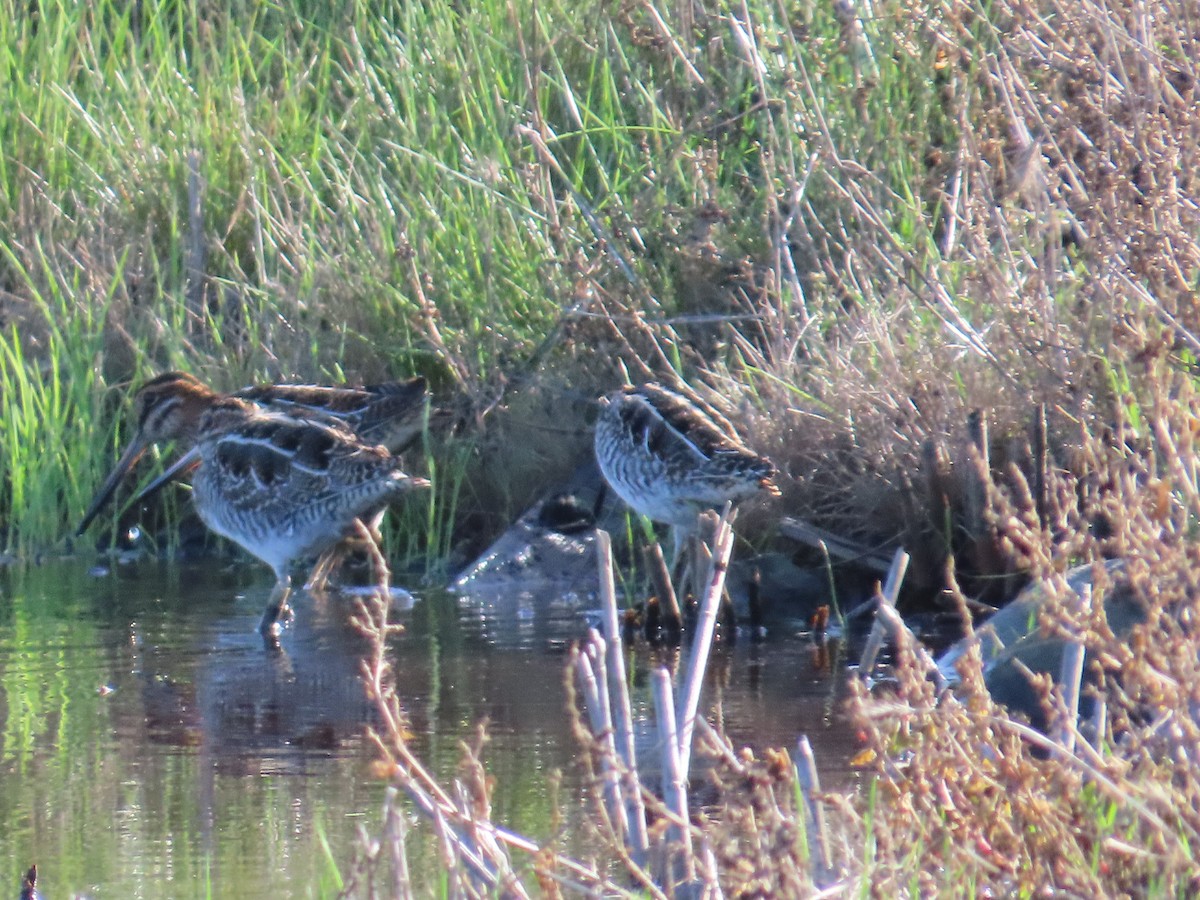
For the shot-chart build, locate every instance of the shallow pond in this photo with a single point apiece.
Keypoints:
(151, 747)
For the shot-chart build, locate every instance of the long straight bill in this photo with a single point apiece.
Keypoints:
(186, 461)
(133, 452)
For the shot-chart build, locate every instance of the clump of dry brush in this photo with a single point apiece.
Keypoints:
(969, 793)
(1035, 273)
(1068, 245)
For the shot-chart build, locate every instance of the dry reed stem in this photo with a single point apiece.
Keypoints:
(810, 786)
(1027, 818)
(618, 693)
(885, 613)
(706, 623)
(677, 854)
(672, 618)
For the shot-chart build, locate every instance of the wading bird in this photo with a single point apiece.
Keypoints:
(284, 475)
(669, 459)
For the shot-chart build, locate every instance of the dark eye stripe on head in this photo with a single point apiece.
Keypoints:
(156, 407)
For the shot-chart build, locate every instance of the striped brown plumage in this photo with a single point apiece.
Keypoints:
(283, 485)
(669, 458)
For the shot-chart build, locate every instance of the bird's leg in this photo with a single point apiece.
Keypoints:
(277, 612)
(682, 557)
(327, 563)
(678, 538)
(331, 560)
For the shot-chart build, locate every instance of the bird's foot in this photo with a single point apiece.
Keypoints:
(275, 619)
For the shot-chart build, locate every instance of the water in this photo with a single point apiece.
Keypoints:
(151, 747)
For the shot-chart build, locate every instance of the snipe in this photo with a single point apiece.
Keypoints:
(391, 414)
(282, 486)
(668, 458)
